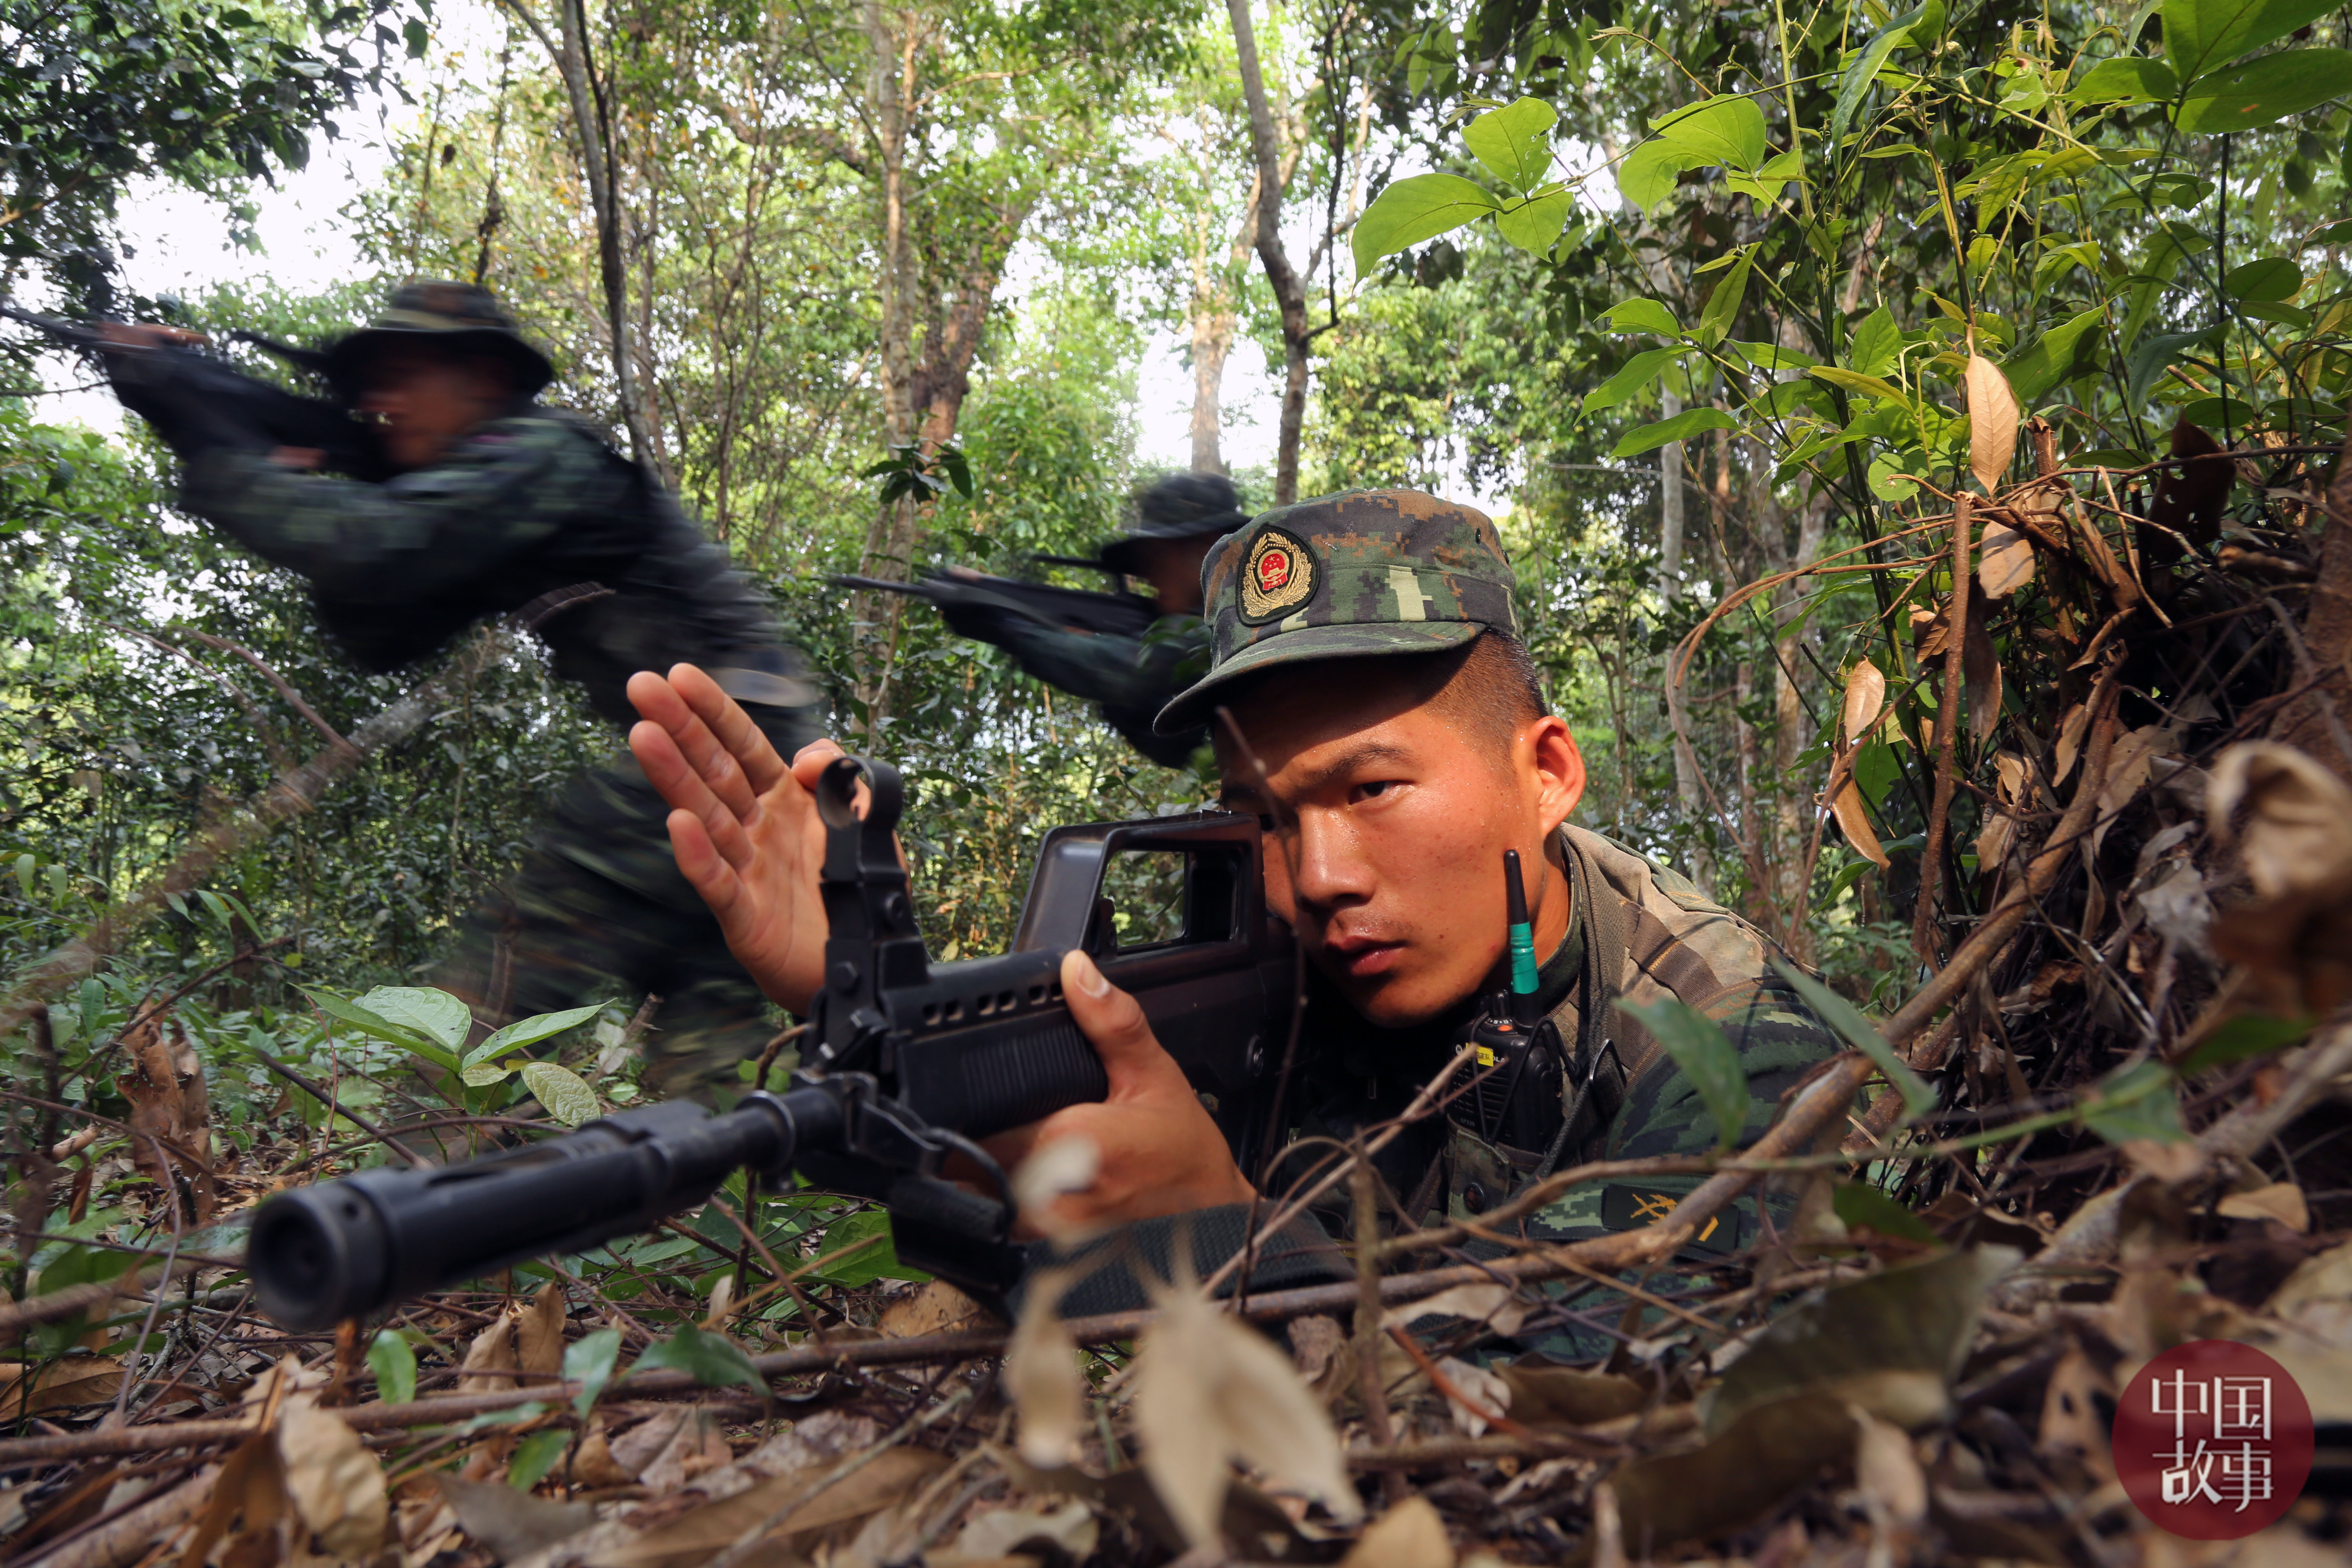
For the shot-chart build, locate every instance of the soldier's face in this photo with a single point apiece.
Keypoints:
(1390, 817)
(1172, 566)
(422, 401)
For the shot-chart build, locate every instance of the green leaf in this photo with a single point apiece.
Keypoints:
(2247, 1034)
(381, 1028)
(877, 1259)
(2054, 358)
(2265, 91)
(481, 1075)
(435, 1014)
(394, 1361)
(1681, 427)
(1864, 70)
(2132, 79)
(1918, 1098)
(710, 1359)
(1642, 316)
(1515, 144)
(1708, 1058)
(2199, 34)
(1633, 379)
(1861, 1204)
(2148, 359)
(530, 1031)
(535, 1455)
(2264, 278)
(412, 32)
(588, 1361)
(1722, 309)
(2137, 1100)
(1535, 225)
(1726, 130)
(1412, 210)
(1647, 175)
(1854, 381)
(1877, 343)
(565, 1093)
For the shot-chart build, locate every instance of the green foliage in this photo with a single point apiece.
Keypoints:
(394, 1361)
(1708, 1058)
(589, 1361)
(711, 1359)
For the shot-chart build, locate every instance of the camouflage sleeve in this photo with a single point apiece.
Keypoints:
(501, 490)
(1123, 672)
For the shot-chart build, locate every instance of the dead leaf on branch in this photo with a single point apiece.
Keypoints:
(1069, 1530)
(335, 1484)
(2281, 1201)
(1209, 1390)
(1865, 699)
(1853, 821)
(2291, 820)
(1410, 1535)
(1043, 1376)
(1981, 668)
(1889, 1342)
(171, 1120)
(1495, 1305)
(513, 1524)
(538, 1331)
(2007, 562)
(1994, 417)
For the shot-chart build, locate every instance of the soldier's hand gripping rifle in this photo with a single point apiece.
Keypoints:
(974, 605)
(198, 403)
(908, 1063)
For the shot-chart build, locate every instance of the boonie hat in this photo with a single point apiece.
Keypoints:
(1181, 506)
(465, 317)
(1354, 575)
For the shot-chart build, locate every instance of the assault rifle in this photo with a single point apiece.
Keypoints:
(907, 1062)
(973, 604)
(195, 400)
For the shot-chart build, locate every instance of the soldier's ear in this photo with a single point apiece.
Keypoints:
(1557, 769)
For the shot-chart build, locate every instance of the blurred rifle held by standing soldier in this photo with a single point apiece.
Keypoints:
(185, 391)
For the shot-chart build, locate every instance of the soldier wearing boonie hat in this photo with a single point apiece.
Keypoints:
(493, 504)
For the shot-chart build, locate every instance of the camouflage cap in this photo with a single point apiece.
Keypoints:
(465, 317)
(1346, 576)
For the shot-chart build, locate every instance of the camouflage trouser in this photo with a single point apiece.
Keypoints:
(598, 911)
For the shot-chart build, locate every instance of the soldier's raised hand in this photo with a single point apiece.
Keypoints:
(743, 825)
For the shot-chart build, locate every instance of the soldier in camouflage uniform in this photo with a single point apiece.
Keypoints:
(1130, 679)
(1365, 645)
(488, 503)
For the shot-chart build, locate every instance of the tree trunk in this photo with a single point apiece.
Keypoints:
(1688, 798)
(1212, 340)
(1289, 288)
(890, 536)
(589, 120)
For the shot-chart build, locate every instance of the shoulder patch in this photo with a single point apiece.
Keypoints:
(1632, 1208)
(1277, 575)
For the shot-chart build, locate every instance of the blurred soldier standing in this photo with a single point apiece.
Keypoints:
(1130, 678)
(484, 502)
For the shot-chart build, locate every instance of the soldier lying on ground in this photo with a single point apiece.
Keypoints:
(1365, 645)
(497, 505)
